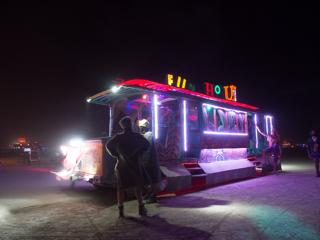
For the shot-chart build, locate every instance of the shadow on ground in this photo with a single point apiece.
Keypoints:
(156, 227)
(190, 202)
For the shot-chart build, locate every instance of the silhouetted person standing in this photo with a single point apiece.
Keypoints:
(151, 163)
(128, 147)
(314, 150)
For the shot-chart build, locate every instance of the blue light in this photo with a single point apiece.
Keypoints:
(162, 95)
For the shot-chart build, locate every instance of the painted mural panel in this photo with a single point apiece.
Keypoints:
(215, 155)
(90, 159)
(168, 144)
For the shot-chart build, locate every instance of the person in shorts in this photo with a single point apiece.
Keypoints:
(275, 147)
(129, 147)
(314, 150)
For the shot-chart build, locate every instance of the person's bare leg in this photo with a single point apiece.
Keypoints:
(274, 167)
(138, 193)
(316, 165)
(142, 210)
(264, 157)
(120, 196)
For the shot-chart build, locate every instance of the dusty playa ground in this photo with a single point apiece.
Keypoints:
(33, 205)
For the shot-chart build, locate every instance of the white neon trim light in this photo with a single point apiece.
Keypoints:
(266, 123)
(271, 127)
(185, 125)
(155, 105)
(224, 133)
(255, 123)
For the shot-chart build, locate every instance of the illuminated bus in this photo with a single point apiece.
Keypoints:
(201, 140)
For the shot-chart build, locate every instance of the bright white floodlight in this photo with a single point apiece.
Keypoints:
(75, 142)
(64, 150)
(115, 89)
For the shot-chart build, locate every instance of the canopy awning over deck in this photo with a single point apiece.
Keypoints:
(140, 86)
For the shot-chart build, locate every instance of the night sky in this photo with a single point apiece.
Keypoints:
(56, 53)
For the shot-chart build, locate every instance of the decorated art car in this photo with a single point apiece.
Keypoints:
(201, 139)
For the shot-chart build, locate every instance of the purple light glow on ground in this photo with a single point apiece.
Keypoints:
(265, 207)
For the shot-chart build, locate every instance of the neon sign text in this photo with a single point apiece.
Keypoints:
(213, 90)
(230, 92)
(184, 82)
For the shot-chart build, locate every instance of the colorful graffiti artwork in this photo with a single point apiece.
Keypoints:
(168, 146)
(86, 159)
(90, 158)
(215, 155)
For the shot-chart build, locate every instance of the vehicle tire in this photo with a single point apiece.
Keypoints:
(20, 159)
(26, 161)
(102, 187)
(47, 160)
(72, 184)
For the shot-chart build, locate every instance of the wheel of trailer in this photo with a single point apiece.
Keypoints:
(20, 159)
(102, 187)
(26, 161)
(46, 160)
(72, 184)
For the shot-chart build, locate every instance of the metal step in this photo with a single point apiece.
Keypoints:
(193, 168)
(199, 175)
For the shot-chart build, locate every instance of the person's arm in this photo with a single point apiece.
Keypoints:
(145, 144)
(262, 133)
(309, 148)
(280, 144)
(110, 146)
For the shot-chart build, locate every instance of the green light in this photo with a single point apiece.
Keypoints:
(217, 89)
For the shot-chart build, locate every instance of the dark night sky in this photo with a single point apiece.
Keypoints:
(55, 53)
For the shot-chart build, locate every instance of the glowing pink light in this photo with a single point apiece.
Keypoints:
(110, 115)
(255, 123)
(155, 105)
(193, 117)
(224, 133)
(185, 125)
(162, 87)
